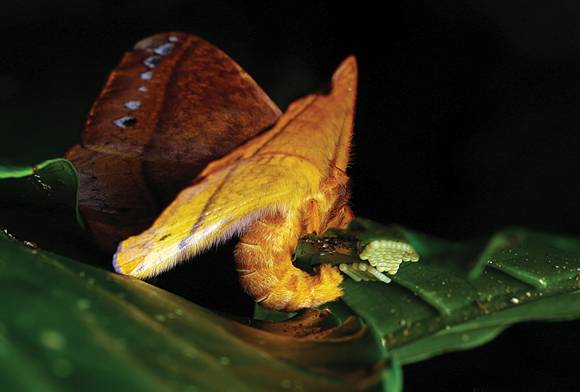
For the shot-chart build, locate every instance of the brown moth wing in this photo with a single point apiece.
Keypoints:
(114, 199)
(171, 106)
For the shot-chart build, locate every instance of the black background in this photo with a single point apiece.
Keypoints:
(467, 118)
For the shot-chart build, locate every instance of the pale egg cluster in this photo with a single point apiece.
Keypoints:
(380, 256)
(363, 272)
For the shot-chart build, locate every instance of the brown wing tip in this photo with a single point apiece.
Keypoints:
(347, 69)
(157, 39)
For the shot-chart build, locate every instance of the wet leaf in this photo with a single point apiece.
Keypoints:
(459, 295)
(38, 205)
(66, 325)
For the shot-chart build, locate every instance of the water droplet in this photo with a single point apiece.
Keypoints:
(91, 281)
(83, 304)
(146, 75)
(39, 181)
(62, 368)
(142, 89)
(164, 49)
(224, 361)
(514, 301)
(8, 234)
(52, 340)
(133, 105)
(160, 317)
(173, 39)
(152, 61)
(125, 121)
(286, 384)
(178, 312)
(30, 244)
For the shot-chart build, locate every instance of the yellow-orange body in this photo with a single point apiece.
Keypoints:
(264, 260)
(282, 184)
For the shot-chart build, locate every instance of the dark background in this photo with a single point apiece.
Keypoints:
(467, 118)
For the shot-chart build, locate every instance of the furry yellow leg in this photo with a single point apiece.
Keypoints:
(264, 260)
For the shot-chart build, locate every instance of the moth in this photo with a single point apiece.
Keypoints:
(172, 105)
(177, 105)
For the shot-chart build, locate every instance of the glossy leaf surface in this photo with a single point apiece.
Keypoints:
(64, 325)
(460, 295)
(38, 204)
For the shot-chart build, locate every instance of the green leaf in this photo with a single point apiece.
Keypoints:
(66, 325)
(458, 295)
(39, 205)
(51, 185)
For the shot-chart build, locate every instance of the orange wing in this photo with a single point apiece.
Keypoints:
(275, 187)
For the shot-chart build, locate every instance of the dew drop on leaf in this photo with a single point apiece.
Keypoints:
(52, 340)
(83, 304)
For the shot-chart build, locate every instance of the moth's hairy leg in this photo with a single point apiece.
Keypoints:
(342, 218)
(264, 260)
(312, 217)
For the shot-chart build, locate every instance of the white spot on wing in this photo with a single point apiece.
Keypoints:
(125, 121)
(152, 61)
(164, 49)
(146, 75)
(133, 105)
